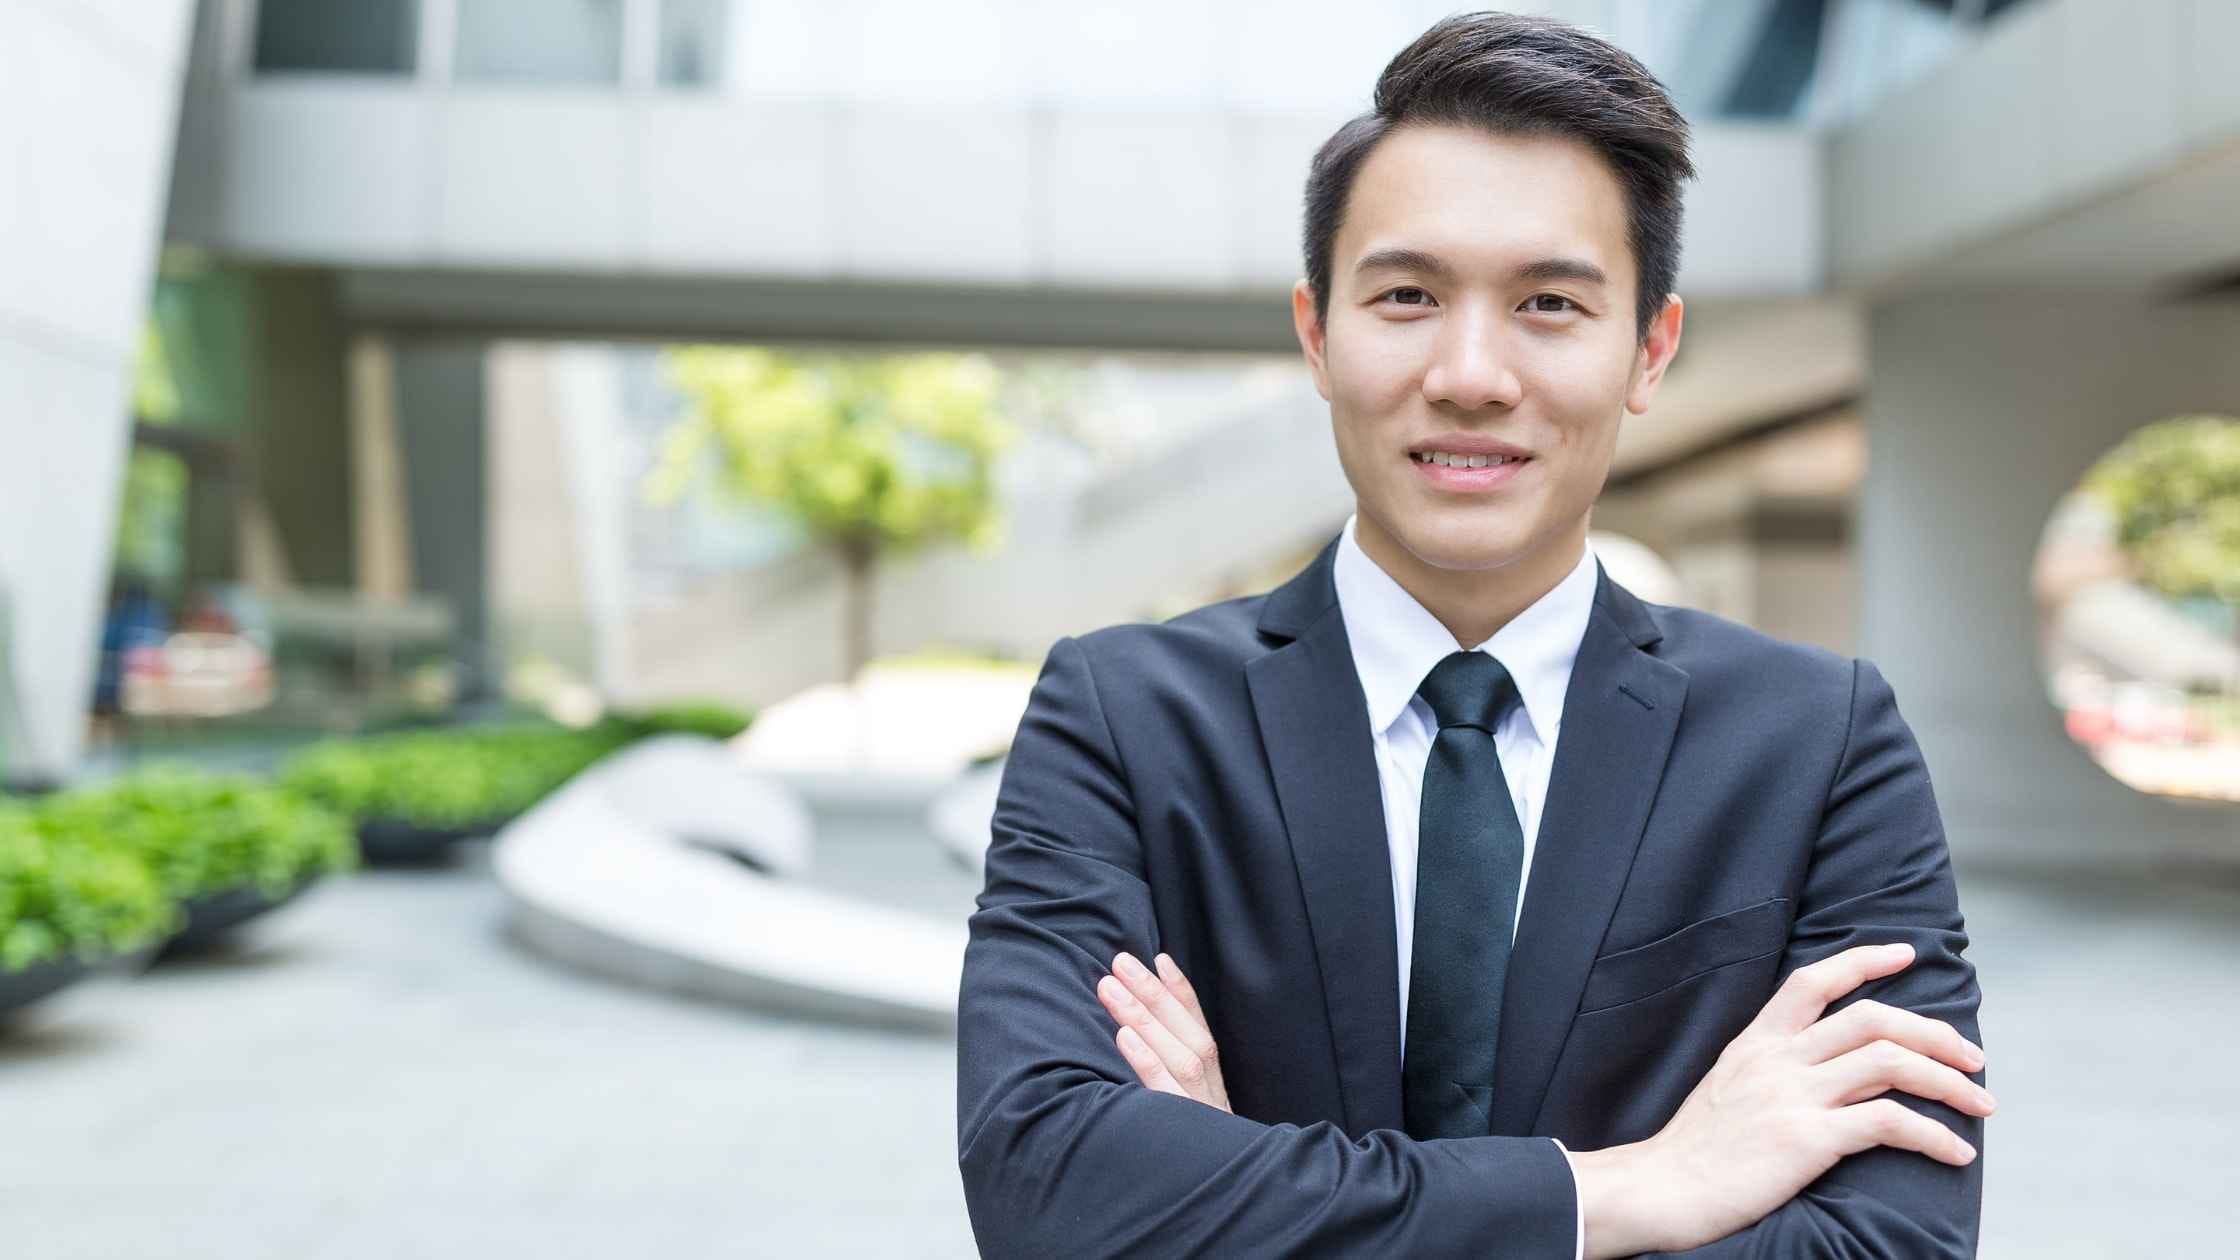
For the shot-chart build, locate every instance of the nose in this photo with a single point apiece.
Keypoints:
(1470, 365)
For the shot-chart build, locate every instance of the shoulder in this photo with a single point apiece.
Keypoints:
(1758, 701)
(1216, 635)
(1726, 660)
(1189, 667)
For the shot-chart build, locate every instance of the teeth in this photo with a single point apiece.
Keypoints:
(1452, 460)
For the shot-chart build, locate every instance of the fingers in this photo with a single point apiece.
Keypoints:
(1145, 1061)
(1135, 1017)
(1156, 1027)
(1184, 1022)
(1883, 1065)
(1867, 1020)
(1179, 985)
(1888, 1122)
(1808, 990)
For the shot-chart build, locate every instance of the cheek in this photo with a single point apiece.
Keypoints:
(1590, 399)
(1370, 371)
(1368, 393)
(1587, 445)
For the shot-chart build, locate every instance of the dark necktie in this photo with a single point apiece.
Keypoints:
(1470, 860)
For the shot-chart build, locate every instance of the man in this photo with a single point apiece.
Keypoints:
(1491, 911)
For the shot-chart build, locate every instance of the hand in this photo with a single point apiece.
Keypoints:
(1781, 1105)
(1163, 1032)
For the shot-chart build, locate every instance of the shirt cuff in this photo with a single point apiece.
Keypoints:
(1579, 1249)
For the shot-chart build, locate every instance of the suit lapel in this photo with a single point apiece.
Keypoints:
(1619, 715)
(1314, 723)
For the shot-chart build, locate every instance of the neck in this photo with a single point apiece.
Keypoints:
(1473, 604)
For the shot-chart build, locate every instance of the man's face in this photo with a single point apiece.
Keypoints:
(1465, 311)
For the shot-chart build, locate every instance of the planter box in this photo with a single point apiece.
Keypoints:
(211, 916)
(19, 989)
(389, 842)
(130, 963)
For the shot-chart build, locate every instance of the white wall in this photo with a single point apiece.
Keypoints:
(558, 509)
(89, 95)
(1984, 411)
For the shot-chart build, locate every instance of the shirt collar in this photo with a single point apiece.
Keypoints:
(1396, 640)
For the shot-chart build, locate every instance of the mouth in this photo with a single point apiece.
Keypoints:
(1468, 469)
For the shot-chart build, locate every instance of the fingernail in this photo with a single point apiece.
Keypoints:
(1130, 968)
(1966, 1149)
(1898, 951)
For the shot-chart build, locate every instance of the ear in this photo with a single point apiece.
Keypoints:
(1310, 330)
(1655, 354)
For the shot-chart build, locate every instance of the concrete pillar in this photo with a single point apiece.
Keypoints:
(299, 426)
(1759, 532)
(1982, 411)
(260, 358)
(89, 96)
(559, 515)
(441, 428)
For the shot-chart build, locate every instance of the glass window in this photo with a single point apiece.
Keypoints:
(337, 36)
(693, 35)
(539, 41)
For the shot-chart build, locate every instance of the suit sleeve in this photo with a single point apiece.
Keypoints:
(1064, 1152)
(1881, 874)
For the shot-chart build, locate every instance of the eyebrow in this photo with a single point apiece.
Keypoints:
(1539, 270)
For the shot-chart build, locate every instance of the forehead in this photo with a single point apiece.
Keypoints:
(1485, 202)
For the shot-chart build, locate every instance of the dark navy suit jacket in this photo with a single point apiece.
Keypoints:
(1724, 807)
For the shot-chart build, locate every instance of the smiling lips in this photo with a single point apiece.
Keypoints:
(1467, 471)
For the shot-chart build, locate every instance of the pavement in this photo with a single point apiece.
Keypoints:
(378, 1070)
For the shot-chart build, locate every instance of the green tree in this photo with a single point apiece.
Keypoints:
(2173, 488)
(871, 454)
(151, 512)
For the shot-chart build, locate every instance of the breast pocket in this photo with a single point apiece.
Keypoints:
(1677, 957)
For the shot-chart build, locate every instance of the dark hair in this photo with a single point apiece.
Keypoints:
(1521, 75)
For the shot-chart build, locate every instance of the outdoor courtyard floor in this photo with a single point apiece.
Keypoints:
(378, 1071)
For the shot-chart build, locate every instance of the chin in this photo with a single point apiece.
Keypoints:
(1468, 541)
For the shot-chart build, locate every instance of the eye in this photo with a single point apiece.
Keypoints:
(1421, 298)
(1558, 297)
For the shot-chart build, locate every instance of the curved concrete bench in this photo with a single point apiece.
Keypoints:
(616, 873)
(691, 788)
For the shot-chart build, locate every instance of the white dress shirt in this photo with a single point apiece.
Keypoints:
(1396, 642)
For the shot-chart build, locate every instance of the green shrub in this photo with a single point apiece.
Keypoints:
(201, 833)
(470, 777)
(62, 899)
(691, 717)
(461, 778)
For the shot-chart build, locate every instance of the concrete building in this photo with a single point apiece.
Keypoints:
(1932, 268)
(89, 99)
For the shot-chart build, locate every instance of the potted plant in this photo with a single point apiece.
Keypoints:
(711, 718)
(413, 794)
(226, 847)
(67, 910)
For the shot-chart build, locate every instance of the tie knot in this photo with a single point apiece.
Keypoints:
(1469, 689)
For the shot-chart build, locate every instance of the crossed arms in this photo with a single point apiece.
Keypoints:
(1064, 1150)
